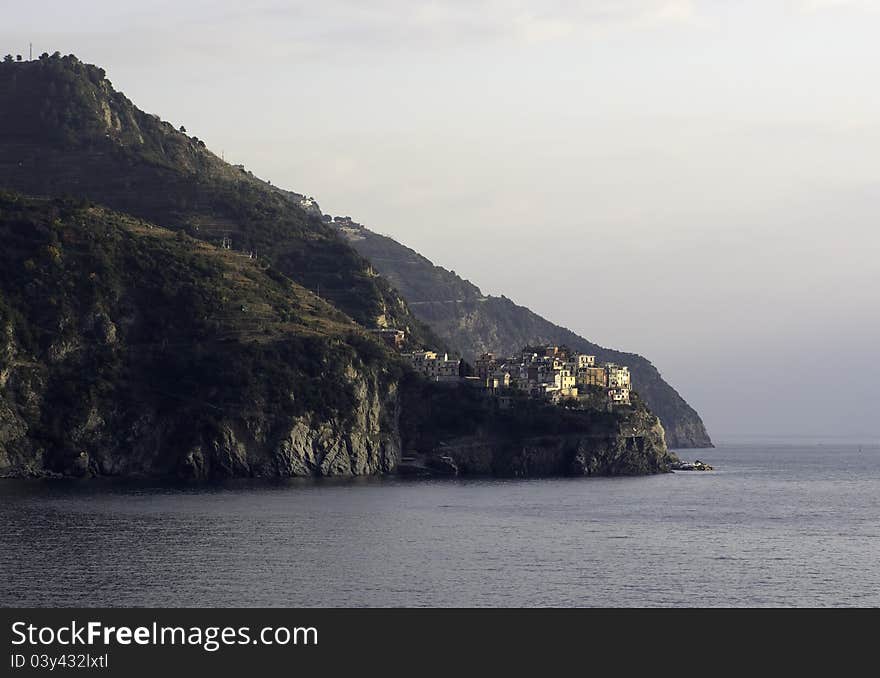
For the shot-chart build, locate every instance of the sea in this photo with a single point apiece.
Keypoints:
(779, 522)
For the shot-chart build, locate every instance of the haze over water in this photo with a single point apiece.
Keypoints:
(779, 523)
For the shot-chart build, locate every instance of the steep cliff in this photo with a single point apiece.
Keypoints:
(126, 349)
(458, 430)
(475, 323)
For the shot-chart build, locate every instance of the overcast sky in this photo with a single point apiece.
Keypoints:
(703, 175)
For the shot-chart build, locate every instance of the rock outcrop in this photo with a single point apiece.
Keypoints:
(461, 431)
(574, 454)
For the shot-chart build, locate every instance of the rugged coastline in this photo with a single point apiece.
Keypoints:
(170, 315)
(127, 350)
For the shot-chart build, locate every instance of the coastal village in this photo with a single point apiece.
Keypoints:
(552, 373)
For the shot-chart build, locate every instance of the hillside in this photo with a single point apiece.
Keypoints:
(475, 323)
(64, 129)
(165, 313)
(130, 350)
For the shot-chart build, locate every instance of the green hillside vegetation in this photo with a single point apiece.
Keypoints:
(106, 308)
(65, 130)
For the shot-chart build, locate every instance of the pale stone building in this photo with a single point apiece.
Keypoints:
(618, 376)
(582, 361)
(619, 396)
(564, 380)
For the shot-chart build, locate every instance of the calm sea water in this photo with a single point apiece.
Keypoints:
(777, 524)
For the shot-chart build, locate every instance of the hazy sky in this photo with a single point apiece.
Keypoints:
(703, 175)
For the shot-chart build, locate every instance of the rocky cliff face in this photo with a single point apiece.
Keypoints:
(458, 430)
(108, 440)
(630, 450)
(129, 350)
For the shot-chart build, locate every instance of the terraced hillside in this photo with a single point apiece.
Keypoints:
(64, 130)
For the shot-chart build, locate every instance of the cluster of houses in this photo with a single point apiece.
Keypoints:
(549, 372)
(437, 367)
(554, 372)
